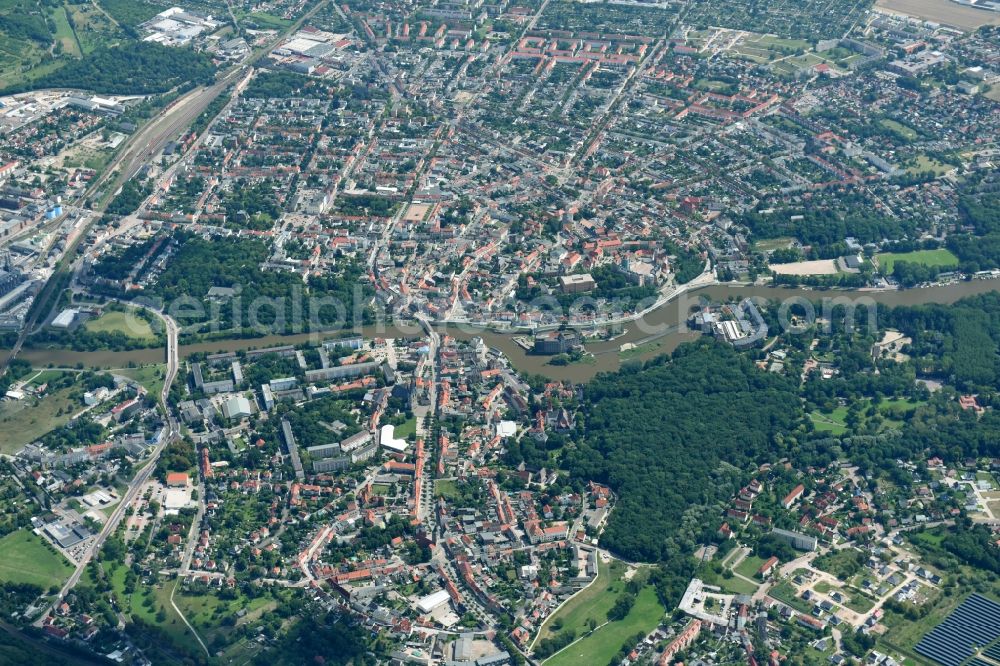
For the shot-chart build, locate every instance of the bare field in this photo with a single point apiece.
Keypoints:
(416, 212)
(818, 267)
(941, 11)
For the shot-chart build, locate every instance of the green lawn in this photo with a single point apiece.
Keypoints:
(592, 603)
(750, 566)
(859, 603)
(733, 584)
(785, 592)
(267, 21)
(771, 244)
(832, 423)
(736, 585)
(939, 257)
(600, 646)
(446, 488)
(841, 563)
(125, 323)
(27, 559)
(904, 132)
(899, 405)
(149, 376)
(925, 163)
(989, 478)
(44, 377)
(407, 429)
(640, 350)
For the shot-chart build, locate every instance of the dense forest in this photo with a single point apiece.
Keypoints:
(647, 436)
(136, 69)
(979, 210)
(958, 343)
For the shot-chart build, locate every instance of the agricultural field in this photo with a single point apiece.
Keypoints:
(939, 257)
(28, 559)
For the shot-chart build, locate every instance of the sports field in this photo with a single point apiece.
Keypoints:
(939, 257)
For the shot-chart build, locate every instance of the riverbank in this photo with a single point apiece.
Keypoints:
(664, 325)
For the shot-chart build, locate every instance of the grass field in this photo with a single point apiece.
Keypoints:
(600, 646)
(832, 423)
(924, 163)
(904, 132)
(125, 323)
(407, 429)
(736, 585)
(64, 33)
(24, 421)
(640, 350)
(266, 21)
(750, 566)
(592, 603)
(939, 257)
(44, 377)
(149, 376)
(771, 244)
(27, 559)
(446, 488)
(785, 592)
(859, 603)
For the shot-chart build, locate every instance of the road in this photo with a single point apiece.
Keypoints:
(172, 433)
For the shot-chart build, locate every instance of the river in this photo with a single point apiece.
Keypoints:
(660, 331)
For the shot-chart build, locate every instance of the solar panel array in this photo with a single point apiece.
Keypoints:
(972, 625)
(993, 652)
